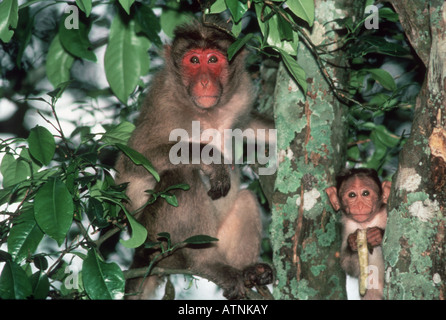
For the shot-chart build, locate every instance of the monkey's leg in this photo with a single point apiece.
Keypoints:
(234, 265)
(240, 231)
(140, 288)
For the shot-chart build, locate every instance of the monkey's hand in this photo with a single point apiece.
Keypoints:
(220, 180)
(234, 287)
(351, 241)
(258, 274)
(374, 236)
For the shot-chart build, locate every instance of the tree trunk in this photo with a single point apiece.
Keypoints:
(414, 246)
(305, 231)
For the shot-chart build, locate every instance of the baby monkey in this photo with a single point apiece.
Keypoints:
(362, 198)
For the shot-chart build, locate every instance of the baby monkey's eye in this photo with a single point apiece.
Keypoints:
(352, 195)
(366, 193)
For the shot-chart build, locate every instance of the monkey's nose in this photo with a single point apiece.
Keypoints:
(204, 83)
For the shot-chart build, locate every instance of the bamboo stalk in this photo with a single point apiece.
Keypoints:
(363, 255)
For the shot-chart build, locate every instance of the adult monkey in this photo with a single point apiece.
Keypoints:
(362, 198)
(198, 83)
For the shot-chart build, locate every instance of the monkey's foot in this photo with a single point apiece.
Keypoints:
(258, 274)
(220, 181)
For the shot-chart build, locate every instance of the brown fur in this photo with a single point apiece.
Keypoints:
(226, 213)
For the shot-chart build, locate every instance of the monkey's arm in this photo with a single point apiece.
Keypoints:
(374, 238)
(160, 157)
(349, 260)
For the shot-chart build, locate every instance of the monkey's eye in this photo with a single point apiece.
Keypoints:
(213, 59)
(366, 193)
(194, 60)
(352, 195)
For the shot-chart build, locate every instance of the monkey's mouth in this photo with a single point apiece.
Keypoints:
(206, 101)
(361, 217)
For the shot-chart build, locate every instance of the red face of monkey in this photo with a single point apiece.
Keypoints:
(360, 198)
(205, 73)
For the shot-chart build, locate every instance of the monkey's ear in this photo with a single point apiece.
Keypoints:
(333, 197)
(386, 186)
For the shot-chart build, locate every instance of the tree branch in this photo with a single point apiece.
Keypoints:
(262, 293)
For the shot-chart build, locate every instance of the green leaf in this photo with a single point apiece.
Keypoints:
(75, 40)
(9, 17)
(383, 77)
(40, 261)
(95, 212)
(102, 280)
(149, 24)
(388, 14)
(182, 186)
(304, 9)
(138, 234)
(25, 235)
(5, 195)
(379, 152)
(138, 159)
(381, 45)
(13, 170)
(171, 18)
(53, 209)
(41, 144)
(4, 256)
(353, 153)
(23, 33)
(119, 134)
(295, 69)
(166, 235)
(126, 4)
(150, 244)
(26, 157)
(72, 173)
(236, 28)
(386, 137)
(126, 58)
(170, 198)
(379, 99)
(284, 29)
(85, 6)
(218, 6)
(237, 9)
(200, 239)
(14, 283)
(238, 44)
(40, 285)
(273, 32)
(58, 63)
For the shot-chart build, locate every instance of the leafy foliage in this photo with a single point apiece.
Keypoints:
(379, 94)
(68, 200)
